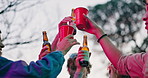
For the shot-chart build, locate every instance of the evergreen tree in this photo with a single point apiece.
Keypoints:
(122, 20)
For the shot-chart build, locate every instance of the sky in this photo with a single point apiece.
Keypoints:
(64, 7)
(46, 16)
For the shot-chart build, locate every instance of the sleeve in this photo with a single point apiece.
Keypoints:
(48, 67)
(145, 67)
(78, 75)
(132, 65)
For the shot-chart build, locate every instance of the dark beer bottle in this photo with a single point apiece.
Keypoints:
(45, 41)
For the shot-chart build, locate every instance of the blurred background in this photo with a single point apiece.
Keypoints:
(22, 23)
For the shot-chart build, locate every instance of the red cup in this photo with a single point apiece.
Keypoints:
(80, 19)
(65, 30)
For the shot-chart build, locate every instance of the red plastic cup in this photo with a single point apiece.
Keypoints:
(65, 30)
(80, 19)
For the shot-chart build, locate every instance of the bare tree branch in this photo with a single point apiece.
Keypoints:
(8, 12)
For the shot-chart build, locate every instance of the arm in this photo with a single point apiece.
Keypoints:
(112, 52)
(49, 67)
(63, 22)
(54, 43)
(126, 65)
(81, 72)
(64, 46)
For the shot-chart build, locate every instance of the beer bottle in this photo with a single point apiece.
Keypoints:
(85, 43)
(85, 62)
(45, 41)
(73, 21)
(73, 15)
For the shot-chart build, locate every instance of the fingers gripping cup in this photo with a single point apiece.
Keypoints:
(80, 19)
(65, 30)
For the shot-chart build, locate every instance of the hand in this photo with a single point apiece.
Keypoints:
(81, 72)
(92, 28)
(81, 55)
(43, 52)
(113, 72)
(65, 21)
(66, 44)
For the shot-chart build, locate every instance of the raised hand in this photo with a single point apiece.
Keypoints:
(92, 28)
(43, 52)
(66, 44)
(65, 21)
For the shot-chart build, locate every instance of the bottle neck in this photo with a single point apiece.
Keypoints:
(85, 40)
(45, 38)
(85, 43)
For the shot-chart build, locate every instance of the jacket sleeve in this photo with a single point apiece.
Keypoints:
(48, 67)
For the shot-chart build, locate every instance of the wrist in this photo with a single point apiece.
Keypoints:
(78, 75)
(99, 33)
(104, 35)
(80, 69)
(63, 52)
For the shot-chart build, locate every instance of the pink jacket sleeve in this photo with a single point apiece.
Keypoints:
(132, 65)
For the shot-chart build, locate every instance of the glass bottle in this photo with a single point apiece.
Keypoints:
(85, 62)
(45, 41)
